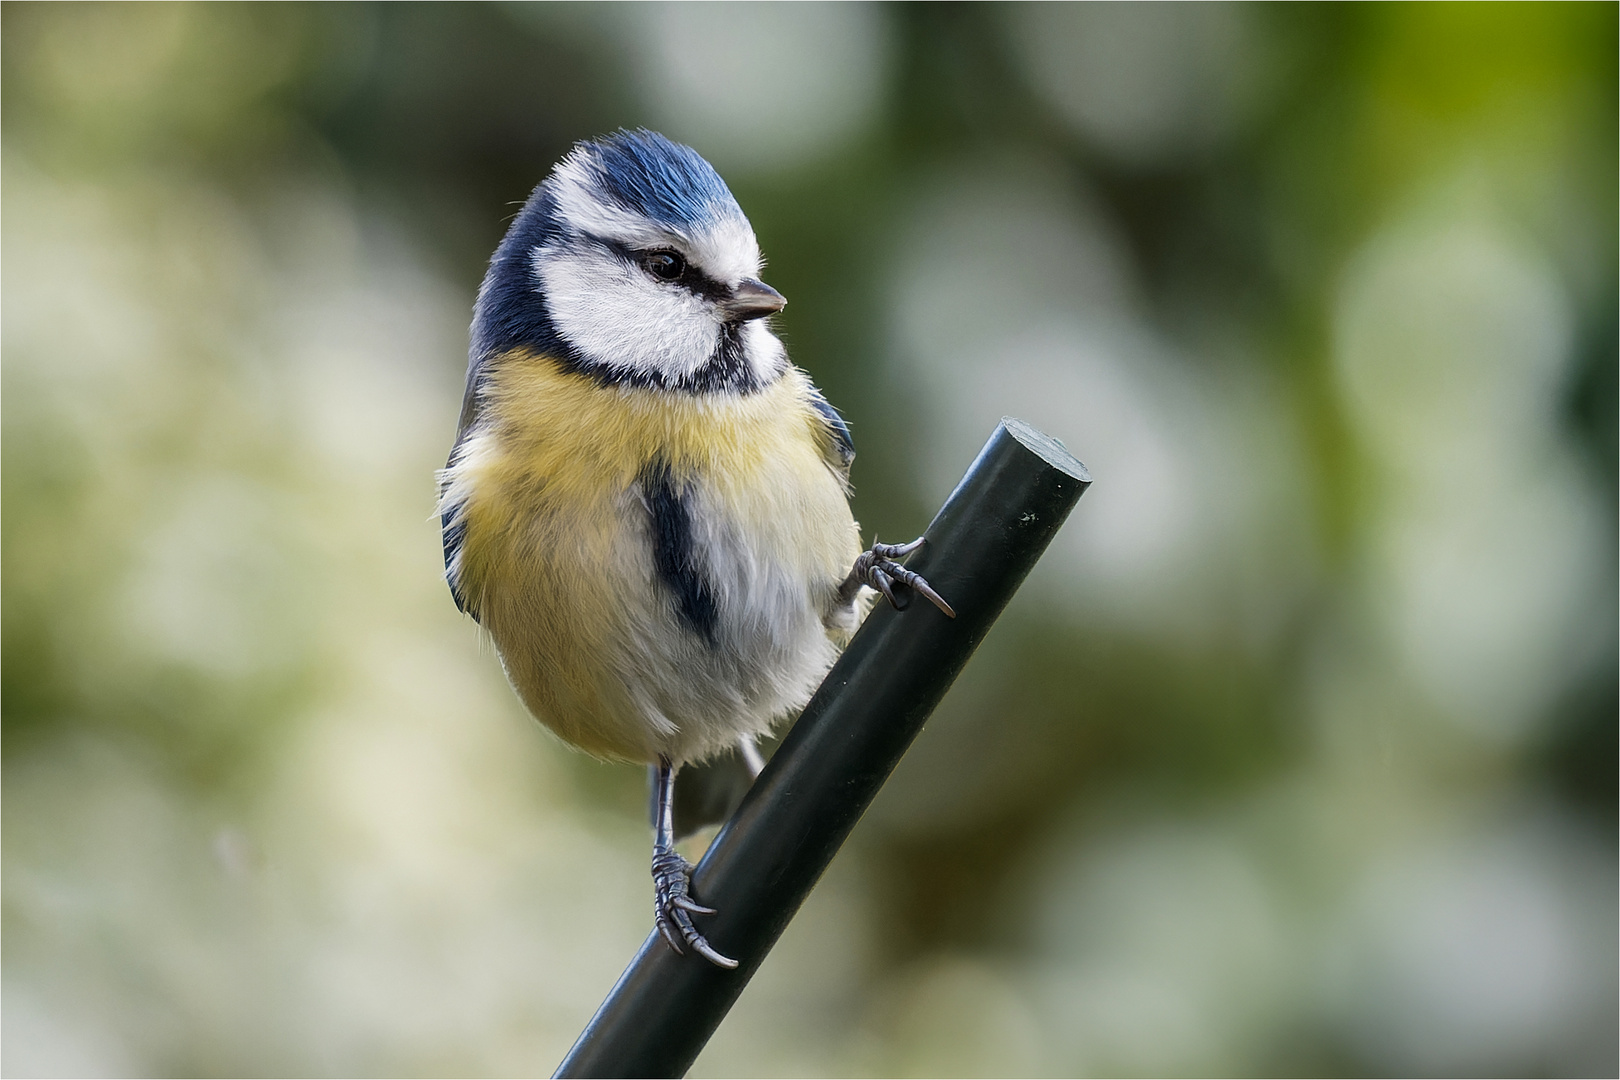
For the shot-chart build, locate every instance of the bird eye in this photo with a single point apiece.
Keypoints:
(664, 265)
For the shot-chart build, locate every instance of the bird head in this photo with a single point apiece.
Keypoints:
(632, 262)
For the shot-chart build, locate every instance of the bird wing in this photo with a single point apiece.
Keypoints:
(839, 448)
(454, 529)
(469, 401)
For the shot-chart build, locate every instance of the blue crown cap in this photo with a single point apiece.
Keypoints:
(644, 172)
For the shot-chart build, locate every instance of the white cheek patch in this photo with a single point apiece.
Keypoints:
(619, 317)
(764, 350)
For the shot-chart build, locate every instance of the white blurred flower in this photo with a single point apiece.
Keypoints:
(213, 585)
(1484, 952)
(1147, 84)
(1452, 348)
(759, 87)
(1160, 949)
(1012, 297)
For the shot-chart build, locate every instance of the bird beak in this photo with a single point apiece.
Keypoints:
(752, 299)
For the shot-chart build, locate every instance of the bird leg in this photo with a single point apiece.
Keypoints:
(673, 906)
(877, 567)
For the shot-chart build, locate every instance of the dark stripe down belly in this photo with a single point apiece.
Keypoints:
(674, 556)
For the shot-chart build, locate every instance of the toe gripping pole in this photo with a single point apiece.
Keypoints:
(766, 859)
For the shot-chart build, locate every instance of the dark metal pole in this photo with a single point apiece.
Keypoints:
(848, 740)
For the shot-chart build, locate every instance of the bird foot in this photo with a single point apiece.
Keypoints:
(673, 906)
(877, 567)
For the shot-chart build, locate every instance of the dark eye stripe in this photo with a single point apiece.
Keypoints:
(692, 278)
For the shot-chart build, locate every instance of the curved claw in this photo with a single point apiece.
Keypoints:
(669, 936)
(686, 903)
(877, 567)
(895, 551)
(672, 877)
(918, 582)
(880, 581)
(708, 953)
(699, 943)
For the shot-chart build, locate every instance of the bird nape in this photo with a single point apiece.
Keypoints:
(646, 505)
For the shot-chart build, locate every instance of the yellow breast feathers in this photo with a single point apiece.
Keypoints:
(646, 560)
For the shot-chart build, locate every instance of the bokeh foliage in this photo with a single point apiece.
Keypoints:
(1298, 755)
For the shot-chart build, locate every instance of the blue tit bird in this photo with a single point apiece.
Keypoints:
(646, 507)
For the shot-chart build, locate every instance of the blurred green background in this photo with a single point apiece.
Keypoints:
(1296, 755)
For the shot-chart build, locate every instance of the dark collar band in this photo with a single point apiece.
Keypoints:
(726, 371)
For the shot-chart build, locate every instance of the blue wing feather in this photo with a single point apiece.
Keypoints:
(843, 446)
(451, 523)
